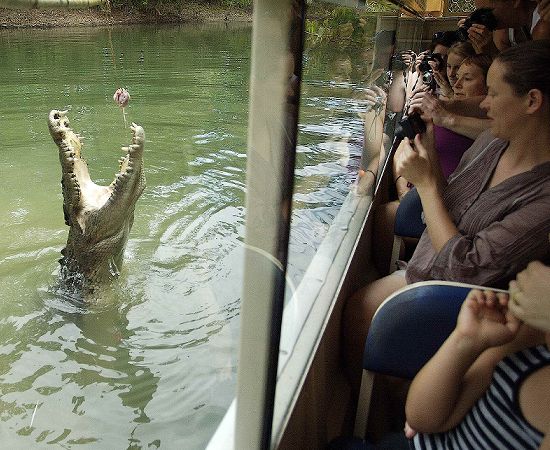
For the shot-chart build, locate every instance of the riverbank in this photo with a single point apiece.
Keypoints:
(189, 12)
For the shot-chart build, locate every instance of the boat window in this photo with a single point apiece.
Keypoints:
(319, 134)
(336, 174)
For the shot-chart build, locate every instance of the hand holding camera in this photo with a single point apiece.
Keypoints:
(481, 16)
(429, 64)
(428, 106)
(414, 159)
(481, 38)
(374, 98)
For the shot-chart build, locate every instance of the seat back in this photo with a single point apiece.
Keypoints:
(410, 326)
(408, 223)
(406, 331)
(408, 219)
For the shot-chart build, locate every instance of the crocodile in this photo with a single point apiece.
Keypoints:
(99, 217)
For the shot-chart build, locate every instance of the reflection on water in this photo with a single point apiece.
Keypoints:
(153, 364)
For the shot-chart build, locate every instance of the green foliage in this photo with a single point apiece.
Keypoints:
(345, 27)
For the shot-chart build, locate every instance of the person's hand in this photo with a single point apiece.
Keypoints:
(409, 431)
(408, 57)
(374, 96)
(461, 22)
(419, 58)
(484, 320)
(440, 75)
(443, 83)
(481, 38)
(429, 107)
(530, 296)
(543, 8)
(414, 161)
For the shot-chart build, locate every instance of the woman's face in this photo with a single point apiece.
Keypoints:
(503, 105)
(470, 81)
(453, 63)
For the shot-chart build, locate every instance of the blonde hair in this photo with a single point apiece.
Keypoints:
(462, 49)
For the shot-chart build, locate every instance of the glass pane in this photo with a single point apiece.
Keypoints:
(342, 126)
(352, 96)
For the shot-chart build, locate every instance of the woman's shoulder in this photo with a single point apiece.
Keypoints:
(485, 145)
(534, 395)
(486, 139)
(483, 153)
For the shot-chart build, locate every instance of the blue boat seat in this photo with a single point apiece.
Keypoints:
(406, 331)
(408, 223)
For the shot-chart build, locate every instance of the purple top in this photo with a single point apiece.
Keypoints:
(450, 146)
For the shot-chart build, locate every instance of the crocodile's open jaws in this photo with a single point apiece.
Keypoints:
(99, 217)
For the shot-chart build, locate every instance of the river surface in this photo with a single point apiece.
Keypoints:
(153, 363)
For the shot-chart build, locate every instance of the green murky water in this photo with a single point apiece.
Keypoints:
(152, 365)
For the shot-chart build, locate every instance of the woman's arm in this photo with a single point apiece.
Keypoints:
(396, 92)
(442, 114)
(530, 293)
(420, 165)
(470, 127)
(460, 372)
(498, 251)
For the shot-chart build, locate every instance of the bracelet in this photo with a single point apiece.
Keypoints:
(395, 181)
(373, 174)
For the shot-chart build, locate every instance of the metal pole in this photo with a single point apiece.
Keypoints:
(274, 94)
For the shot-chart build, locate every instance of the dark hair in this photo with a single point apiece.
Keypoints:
(482, 61)
(444, 38)
(527, 66)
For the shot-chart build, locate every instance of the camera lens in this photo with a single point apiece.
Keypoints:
(427, 77)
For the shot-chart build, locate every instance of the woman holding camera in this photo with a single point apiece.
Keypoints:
(450, 145)
(469, 82)
(493, 215)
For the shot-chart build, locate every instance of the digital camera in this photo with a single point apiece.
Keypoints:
(409, 126)
(426, 69)
(482, 16)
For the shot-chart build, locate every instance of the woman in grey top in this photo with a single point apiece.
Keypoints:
(492, 217)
